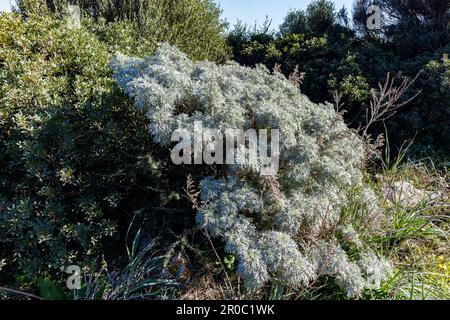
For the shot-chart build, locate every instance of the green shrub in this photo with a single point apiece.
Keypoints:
(192, 25)
(428, 118)
(75, 157)
(329, 61)
(341, 61)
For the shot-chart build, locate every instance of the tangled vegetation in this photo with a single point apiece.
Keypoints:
(351, 60)
(194, 26)
(75, 153)
(320, 161)
(86, 179)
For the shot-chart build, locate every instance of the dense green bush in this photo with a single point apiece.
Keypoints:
(76, 161)
(330, 63)
(429, 116)
(192, 25)
(72, 148)
(411, 27)
(337, 58)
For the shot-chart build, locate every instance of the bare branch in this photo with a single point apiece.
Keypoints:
(18, 292)
(277, 68)
(192, 193)
(385, 103)
(297, 77)
(338, 105)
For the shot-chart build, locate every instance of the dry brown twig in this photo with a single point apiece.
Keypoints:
(192, 193)
(277, 68)
(297, 77)
(386, 102)
(338, 105)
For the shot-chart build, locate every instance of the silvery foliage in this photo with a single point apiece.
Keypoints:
(272, 230)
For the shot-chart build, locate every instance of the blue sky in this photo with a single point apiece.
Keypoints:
(4, 5)
(251, 11)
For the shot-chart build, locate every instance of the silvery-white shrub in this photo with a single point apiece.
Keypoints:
(273, 225)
